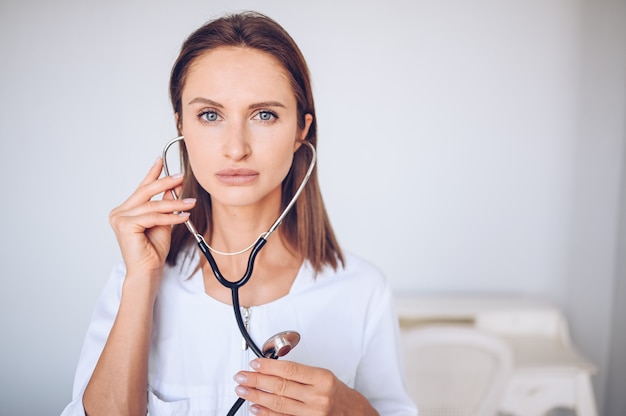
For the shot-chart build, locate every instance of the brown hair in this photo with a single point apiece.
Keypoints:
(306, 227)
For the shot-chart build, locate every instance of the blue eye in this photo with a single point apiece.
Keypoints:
(209, 116)
(266, 115)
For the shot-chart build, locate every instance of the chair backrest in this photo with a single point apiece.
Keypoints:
(455, 371)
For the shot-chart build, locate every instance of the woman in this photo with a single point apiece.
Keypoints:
(163, 325)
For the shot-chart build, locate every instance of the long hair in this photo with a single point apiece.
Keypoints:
(306, 228)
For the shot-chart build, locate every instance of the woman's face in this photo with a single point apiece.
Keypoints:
(239, 119)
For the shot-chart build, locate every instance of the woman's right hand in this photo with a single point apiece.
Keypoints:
(143, 226)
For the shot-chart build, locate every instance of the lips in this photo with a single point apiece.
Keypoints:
(238, 176)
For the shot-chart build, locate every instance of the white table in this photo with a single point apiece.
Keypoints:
(548, 370)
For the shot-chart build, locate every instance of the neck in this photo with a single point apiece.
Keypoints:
(235, 229)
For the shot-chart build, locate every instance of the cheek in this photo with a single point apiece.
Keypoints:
(287, 166)
(192, 152)
(201, 160)
(278, 163)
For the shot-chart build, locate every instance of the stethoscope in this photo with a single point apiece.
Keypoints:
(279, 344)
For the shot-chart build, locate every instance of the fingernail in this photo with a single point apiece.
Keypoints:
(157, 160)
(241, 391)
(256, 364)
(189, 200)
(183, 214)
(254, 410)
(240, 378)
(176, 176)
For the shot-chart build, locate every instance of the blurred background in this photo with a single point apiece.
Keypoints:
(465, 147)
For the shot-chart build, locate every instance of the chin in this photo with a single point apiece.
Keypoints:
(242, 198)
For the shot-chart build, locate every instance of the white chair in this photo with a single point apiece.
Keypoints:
(455, 371)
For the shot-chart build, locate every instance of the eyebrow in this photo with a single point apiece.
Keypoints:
(261, 104)
(266, 104)
(205, 101)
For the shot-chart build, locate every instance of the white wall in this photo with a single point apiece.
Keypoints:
(615, 400)
(616, 374)
(464, 147)
(594, 215)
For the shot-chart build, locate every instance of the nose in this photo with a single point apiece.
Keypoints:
(236, 142)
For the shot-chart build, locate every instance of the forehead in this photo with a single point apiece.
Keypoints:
(228, 73)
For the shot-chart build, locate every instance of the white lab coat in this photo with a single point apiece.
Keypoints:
(346, 320)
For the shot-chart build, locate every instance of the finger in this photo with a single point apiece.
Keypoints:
(154, 172)
(160, 206)
(177, 190)
(272, 384)
(126, 216)
(140, 223)
(147, 191)
(274, 404)
(287, 369)
(175, 193)
(258, 410)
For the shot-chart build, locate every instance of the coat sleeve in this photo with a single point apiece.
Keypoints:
(380, 376)
(98, 331)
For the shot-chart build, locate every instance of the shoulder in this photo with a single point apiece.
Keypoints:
(355, 267)
(358, 292)
(357, 264)
(359, 280)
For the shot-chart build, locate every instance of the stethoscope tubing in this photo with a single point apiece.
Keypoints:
(234, 287)
(255, 249)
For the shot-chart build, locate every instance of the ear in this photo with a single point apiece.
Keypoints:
(308, 119)
(179, 124)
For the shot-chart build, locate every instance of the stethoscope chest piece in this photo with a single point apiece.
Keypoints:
(280, 344)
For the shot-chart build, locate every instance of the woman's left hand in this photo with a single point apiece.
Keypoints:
(288, 388)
